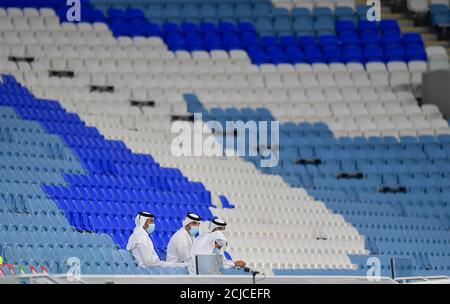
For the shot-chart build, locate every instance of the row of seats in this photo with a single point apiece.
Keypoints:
(59, 259)
(292, 4)
(221, 13)
(11, 270)
(29, 11)
(106, 73)
(196, 65)
(20, 232)
(260, 3)
(237, 10)
(347, 122)
(282, 93)
(353, 111)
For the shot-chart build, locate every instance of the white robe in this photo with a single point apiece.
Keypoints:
(142, 249)
(179, 247)
(204, 245)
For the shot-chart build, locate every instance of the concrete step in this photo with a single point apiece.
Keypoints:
(385, 10)
(429, 37)
(393, 16)
(419, 29)
(407, 25)
(435, 42)
(404, 22)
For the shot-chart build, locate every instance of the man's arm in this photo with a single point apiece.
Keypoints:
(146, 255)
(150, 259)
(172, 254)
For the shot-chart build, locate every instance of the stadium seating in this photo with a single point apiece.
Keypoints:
(340, 86)
(439, 14)
(434, 13)
(268, 34)
(383, 162)
(437, 58)
(34, 232)
(52, 171)
(424, 6)
(417, 6)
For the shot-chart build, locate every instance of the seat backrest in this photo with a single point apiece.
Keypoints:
(126, 256)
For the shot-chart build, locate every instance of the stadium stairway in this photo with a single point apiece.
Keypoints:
(407, 24)
(432, 14)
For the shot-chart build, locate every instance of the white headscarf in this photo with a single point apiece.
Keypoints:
(217, 222)
(140, 235)
(189, 218)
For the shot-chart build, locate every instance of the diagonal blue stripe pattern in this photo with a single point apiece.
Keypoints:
(117, 183)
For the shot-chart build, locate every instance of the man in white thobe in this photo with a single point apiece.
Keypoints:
(211, 243)
(180, 245)
(141, 246)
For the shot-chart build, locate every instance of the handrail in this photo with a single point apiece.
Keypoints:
(51, 278)
(209, 279)
(102, 279)
(424, 279)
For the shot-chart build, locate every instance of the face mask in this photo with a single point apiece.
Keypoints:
(216, 251)
(151, 228)
(194, 231)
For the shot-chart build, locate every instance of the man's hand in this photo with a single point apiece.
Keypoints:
(239, 263)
